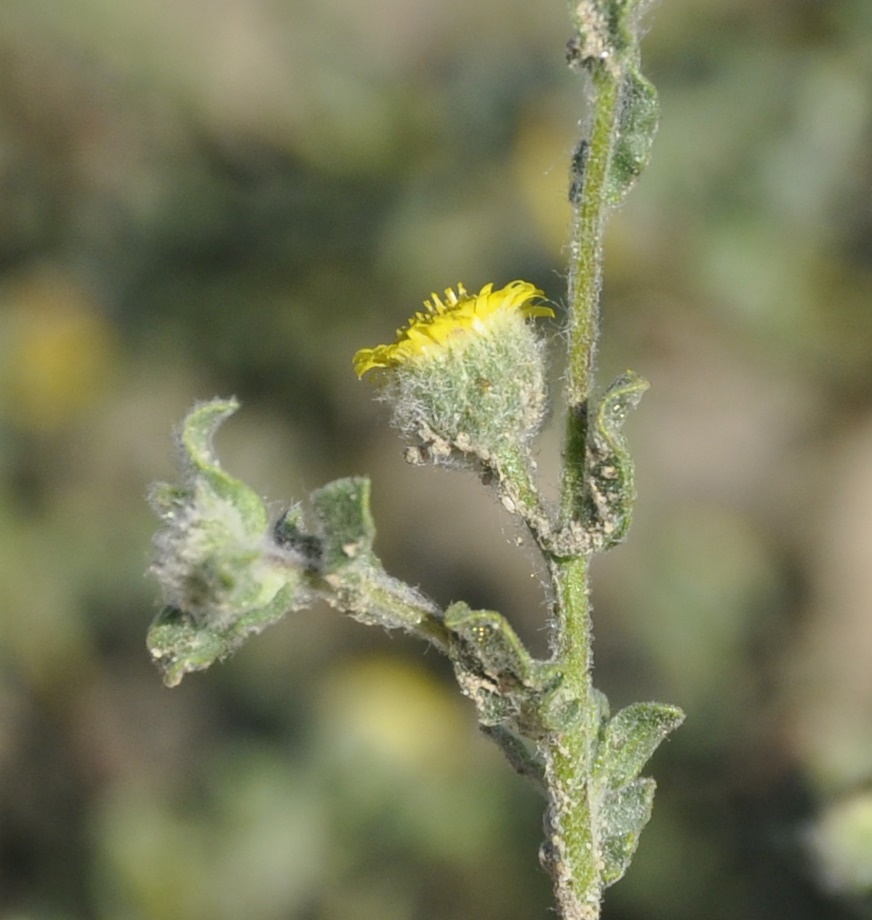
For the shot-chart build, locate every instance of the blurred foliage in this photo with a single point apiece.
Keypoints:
(218, 196)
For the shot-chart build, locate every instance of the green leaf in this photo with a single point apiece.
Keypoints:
(180, 644)
(563, 712)
(222, 575)
(525, 759)
(607, 45)
(610, 476)
(631, 737)
(620, 819)
(344, 521)
(496, 671)
(496, 645)
(625, 799)
(201, 462)
(637, 125)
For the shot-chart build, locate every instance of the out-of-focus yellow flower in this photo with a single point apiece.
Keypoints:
(446, 324)
(58, 353)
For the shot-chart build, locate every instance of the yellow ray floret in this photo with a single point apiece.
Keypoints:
(444, 321)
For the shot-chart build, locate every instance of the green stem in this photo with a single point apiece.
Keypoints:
(416, 614)
(573, 848)
(572, 629)
(375, 598)
(517, 483)
(585, 273)
(573, 855)
(585, 282)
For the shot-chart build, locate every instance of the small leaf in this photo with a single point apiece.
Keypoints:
(631, 737)
(180, 645)
(525, 759)
(495, 670)
(564, 712)
(607, 45)
(488, 660)
(345, 524)
(610, 486)
(212, 553)
(620, 819)
(201, 462)
(497, 647)
(637, 125)
(628, 741)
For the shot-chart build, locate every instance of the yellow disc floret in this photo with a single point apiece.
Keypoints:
(445, 323)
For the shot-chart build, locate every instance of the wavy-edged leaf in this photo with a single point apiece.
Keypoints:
(201, 462)
(610, 484)
(494, 668)
(637, 125)
(621, 817)
(631, 737)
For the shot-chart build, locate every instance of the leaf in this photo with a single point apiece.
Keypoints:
(496, 645)
(610, 483)
(621, 817)
(201, 462)
(637, 125)
(221, 573)
(631, 737)
(607, 44)
(179, 644)
(628, 741)
(525, 759)
(344, 521)
(494, 668)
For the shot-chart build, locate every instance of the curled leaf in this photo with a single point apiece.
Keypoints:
(344, 521)
(610, 487)
(496, 671)
(631, 737)
(180, 645)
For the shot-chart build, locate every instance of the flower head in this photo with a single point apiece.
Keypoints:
(465, 376)
(447, 324)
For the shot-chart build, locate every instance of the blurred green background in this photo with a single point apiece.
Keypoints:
(216, 197)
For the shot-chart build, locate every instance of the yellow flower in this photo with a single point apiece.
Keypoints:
(445, 324)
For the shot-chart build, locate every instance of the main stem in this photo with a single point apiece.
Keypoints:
(572, 852)
(585, 283)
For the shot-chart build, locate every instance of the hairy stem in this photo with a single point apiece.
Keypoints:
(374, 597)
(585, 270)
(585, 282)
(572, 852)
